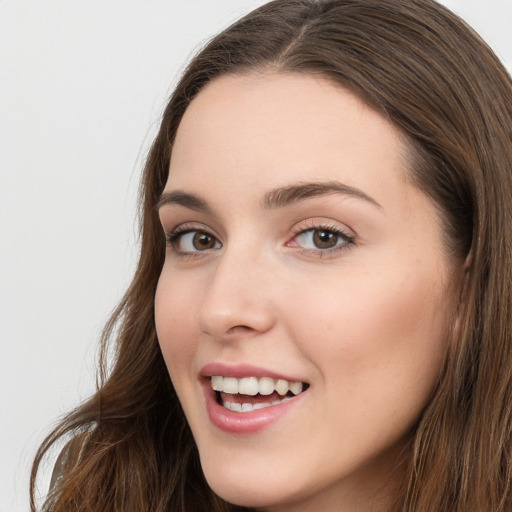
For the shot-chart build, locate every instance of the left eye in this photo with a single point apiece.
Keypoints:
(322, 239)
(194, 241)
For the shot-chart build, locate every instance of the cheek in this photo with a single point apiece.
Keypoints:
(378, 348)
(175, 325)
(380, 333)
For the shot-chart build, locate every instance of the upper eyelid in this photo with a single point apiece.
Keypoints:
(297, 228)
(337, 231)
(184, 227)
(327, 224)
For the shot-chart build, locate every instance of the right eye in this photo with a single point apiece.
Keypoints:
(192, 241)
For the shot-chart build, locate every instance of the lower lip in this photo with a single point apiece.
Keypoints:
(250, 422)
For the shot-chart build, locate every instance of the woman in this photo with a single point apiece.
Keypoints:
(320, 315)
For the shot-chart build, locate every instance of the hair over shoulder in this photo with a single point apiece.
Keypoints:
(129, 448)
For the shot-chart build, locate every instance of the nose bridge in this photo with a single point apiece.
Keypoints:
(238, 295)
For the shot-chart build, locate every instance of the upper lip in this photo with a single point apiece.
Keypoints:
(240, 371)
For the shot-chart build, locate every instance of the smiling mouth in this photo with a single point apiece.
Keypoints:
(252, 393)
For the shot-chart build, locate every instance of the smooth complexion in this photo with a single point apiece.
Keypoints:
(344, 286)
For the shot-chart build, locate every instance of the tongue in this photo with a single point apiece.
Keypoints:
(247, 399)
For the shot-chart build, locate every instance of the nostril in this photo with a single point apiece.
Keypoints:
(238, 328)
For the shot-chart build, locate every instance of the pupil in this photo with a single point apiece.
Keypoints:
(325, 239)
(203, 241)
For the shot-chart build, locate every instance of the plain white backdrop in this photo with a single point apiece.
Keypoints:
(82, 85)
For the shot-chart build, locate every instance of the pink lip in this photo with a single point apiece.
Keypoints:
(243, 422)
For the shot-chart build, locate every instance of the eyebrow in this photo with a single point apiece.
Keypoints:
(273, 199)
(285, 196)
(182, 198)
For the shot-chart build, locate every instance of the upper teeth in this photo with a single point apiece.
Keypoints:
(252, 385)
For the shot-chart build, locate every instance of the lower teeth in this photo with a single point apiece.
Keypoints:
(238, 407)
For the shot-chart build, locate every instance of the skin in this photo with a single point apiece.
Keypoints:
(364, 324)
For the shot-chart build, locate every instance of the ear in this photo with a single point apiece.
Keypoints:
(468, 261)
(463, 276)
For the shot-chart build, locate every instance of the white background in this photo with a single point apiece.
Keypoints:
(82, 85)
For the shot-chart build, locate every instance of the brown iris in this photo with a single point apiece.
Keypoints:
(203, 241)
(324, 239)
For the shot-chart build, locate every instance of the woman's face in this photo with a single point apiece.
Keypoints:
(300, 256)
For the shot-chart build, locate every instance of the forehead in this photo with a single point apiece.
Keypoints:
(267, 130)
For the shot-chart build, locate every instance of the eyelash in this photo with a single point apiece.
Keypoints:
(173, 239)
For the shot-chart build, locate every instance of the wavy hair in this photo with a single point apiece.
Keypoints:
(129, 448)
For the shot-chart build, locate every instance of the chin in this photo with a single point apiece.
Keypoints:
(248, 489)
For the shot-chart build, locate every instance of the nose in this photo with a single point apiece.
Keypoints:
(238, 300)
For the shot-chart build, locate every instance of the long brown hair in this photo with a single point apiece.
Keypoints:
(129, 447)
